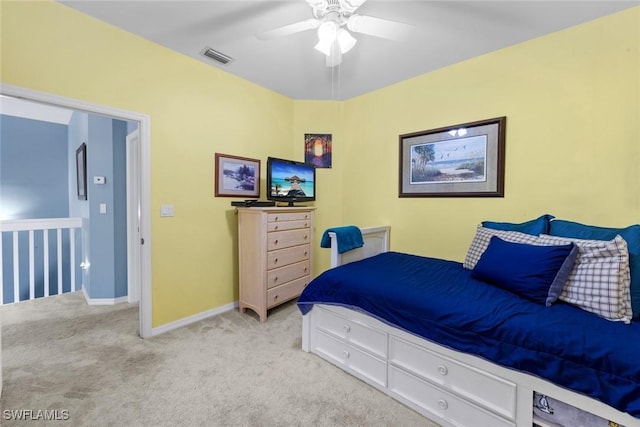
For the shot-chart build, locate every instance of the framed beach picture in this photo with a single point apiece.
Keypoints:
(237, 176)
(465, 160)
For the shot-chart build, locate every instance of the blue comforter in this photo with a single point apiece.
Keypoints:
(440, 301)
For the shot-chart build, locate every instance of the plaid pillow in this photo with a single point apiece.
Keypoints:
(482, 238)
(600, 280)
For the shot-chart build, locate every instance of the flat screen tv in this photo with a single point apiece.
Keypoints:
(290, 181)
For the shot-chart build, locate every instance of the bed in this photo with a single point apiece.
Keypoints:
(428, 333)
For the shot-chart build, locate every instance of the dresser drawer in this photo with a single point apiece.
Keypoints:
(286, 239)
(353, 332)
(488, 390)
(288, 216)
(286, 292)
(446, 405)
(355, 359)
(283, 257)
(282, 275)
(287, 225)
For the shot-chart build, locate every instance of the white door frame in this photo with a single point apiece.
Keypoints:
(133, 217)
(142, 169)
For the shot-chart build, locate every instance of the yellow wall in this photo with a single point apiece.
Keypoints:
(572, 149)
(572, 144)
(196, 110)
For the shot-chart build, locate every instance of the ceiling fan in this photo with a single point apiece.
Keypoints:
(331, 17)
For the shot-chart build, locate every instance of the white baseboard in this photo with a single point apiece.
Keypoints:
(193, 319)
(103, 301)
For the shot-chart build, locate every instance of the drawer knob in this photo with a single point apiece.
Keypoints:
(275, 279)
(346, 354)
(347, 328)
(305, 237)
(442, 404)
(275, 297)
(306, 253)
(306, 225)
(442, 370)
(275, 261)
(275, 242)
(275, 228)
(305, 269)
(275, 219)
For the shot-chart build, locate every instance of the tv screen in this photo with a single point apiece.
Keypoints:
(290, 181)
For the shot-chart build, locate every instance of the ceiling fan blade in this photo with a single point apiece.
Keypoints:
(308, 24)
(351, 5)
(378, 27)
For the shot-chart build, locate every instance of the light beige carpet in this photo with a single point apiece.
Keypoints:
(61, 355)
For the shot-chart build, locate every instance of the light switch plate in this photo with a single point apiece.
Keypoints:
(166, 210)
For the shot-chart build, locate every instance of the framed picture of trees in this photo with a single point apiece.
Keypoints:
(236, 176)
(465, 160)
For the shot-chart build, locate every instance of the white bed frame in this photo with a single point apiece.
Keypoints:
(447, 386)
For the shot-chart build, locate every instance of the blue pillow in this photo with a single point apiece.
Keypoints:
(630, 234)
(535, 272)
(535, 227)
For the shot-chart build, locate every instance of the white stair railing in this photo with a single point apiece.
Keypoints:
(31, 226)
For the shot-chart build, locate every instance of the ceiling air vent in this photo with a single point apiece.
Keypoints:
(217, 56)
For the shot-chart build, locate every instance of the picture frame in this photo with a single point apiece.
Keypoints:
(465, 160)
(317, 149)
(81, 171)
(237, 176)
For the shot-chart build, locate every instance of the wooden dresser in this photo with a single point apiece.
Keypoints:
(275, 255)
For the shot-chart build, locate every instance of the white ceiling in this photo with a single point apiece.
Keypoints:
(445, 32)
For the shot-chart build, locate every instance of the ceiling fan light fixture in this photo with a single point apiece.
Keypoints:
(327, 32)
(324, 47)
(345, 40)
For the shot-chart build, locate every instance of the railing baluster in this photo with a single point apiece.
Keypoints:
(59, 236)
(32, 227)
(72, 257)
(16, 269)
(32, 274)
(45, 244)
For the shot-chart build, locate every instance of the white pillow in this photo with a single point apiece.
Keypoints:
(601, 278)
(482, 238)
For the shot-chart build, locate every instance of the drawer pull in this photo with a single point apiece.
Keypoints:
(275, 228)
(347, 328)
(346, 354)
(275, 242)
(275, 297)
(275, 219)
(275, 261)
(305, 269)
(442, 404)
(306, 253)
(305, 237)
(275, 279)
(306, 225)
(442, 370)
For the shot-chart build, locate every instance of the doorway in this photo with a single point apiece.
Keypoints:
(138, 190)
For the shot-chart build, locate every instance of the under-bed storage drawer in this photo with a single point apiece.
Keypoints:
(354, 359)
(483, 388)
(443, 404)
(355, 333)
